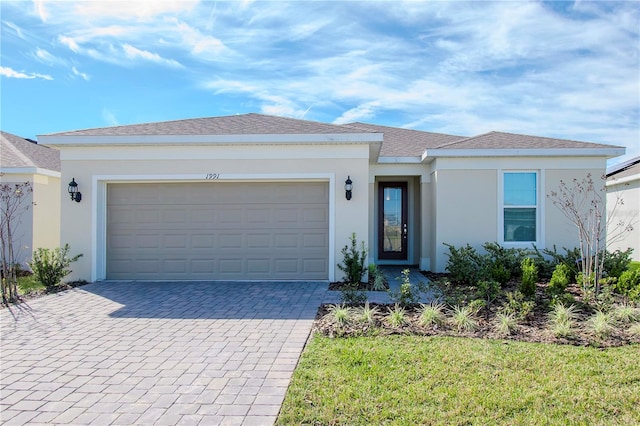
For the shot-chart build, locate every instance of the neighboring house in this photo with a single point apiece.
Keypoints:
(261, 197)
(21, 161)
(623, 183)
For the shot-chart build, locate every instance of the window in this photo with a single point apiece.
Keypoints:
(520, 206)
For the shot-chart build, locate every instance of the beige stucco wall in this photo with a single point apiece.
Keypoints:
(83, 223)
(46, 212)
(465, 210)
(466, 200)
(38, 223)
(627, 190)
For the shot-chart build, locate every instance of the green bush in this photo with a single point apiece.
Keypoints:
(465, 265)
(559, 280)
(615, 263)
(500, 274)
(488, 290)
(518, 306)
(529, 278)
(505, 258)
(353, 263)
(51, 266)
(546, 265)
(629, 284)
(408, 294)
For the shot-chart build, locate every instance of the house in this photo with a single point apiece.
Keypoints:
(253, 196)
(623, 183)
(23, 160)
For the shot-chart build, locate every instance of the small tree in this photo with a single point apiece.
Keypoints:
(584, 204)
(13, 204)
(354, 260)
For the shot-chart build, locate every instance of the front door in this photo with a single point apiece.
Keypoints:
(392, 220)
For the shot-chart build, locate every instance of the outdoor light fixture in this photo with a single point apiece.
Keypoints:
(73, 191)
(348, 186)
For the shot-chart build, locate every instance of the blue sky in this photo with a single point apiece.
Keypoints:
(559, 69)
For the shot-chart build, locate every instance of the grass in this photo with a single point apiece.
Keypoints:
(634, 265)
(400, 380)
(29, 284)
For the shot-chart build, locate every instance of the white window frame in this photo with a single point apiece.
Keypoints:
(539, 206)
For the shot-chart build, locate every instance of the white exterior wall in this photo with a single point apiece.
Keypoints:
(628, 190)
(83, 224)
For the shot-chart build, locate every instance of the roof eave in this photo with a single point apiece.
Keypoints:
(515, 152)
(30, 171)
(328, 138)
(399, 160)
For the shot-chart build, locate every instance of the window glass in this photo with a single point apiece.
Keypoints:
(520, 189)
(520, 224)
(520, 202)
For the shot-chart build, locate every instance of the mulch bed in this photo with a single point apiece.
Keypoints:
(533, 329)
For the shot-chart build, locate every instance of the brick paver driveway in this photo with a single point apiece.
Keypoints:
(154, 353)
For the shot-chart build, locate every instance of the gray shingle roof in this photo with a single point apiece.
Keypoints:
(245, 124)
(626, 169)
(18, 152)
(406, 142)
(502, 140)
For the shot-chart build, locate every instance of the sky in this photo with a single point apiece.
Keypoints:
(558, 69)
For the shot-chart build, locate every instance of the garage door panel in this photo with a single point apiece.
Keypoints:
(222, 230)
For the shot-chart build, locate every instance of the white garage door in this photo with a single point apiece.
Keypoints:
(218, 231)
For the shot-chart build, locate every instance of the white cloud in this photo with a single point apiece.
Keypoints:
(15, 28)
(40, 9)
(362, 112)
(10, 73)
(77, 73)
(109, 118)
(70, 43)
(135, 53)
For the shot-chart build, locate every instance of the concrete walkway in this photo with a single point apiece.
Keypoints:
(393, 274)
(154, 353)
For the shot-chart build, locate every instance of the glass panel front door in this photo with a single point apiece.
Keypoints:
(392, 217)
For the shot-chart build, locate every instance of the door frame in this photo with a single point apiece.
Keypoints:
(404, 253)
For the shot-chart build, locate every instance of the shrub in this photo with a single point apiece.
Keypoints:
(601, 324)
(397, 316)
(351, 295)
(559, 280)
(629, 284)
(562, 319)
(500, 274)
(340, 314)
(518, 306)
(488, 290)
(465, 265)
(529, 278)
(617, 262)
(571, 258)
(377, 277)
(408, 294)
(462, 317)
(51, 266)
(368, 314)
(507, 259)
(353, 261)
(432, 314)
(626, 314)
(505, 323)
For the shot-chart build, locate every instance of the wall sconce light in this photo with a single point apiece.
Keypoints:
(348, 187)
(73, 191)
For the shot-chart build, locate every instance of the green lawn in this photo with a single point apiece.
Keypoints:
(410, 380)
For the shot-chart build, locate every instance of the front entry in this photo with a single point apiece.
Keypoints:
(392, 220)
